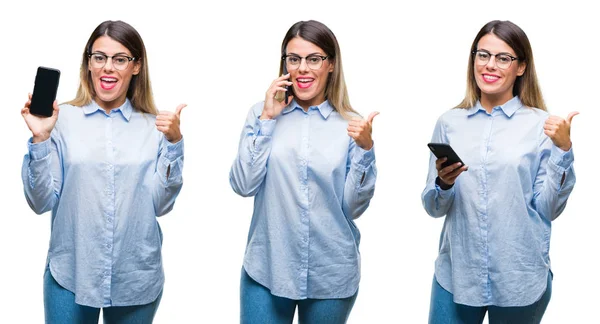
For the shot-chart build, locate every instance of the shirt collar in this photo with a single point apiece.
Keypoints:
(125, 109)
(509, 108)
(324, 108)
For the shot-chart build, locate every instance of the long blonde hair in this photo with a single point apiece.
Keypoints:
(526, 86)
(140, 88)
(320, 35)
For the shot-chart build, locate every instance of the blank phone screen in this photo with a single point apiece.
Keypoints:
(44, 91)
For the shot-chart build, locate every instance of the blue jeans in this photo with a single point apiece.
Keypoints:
(60, 307)
(259, 306)
(444, 310)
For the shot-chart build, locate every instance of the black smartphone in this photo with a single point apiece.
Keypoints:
(441, 150)
(44, 91)
(288, 92)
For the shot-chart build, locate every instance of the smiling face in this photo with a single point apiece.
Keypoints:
(110, 84)
(309, 85)
(496, 84)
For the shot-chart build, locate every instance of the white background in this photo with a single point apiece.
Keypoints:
(407, 61)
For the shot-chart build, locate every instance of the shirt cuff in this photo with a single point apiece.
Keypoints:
(264, 127)
(444, 193)
(362, 157)
(561, 158)
(442, 185)
(174, 150)
(38, 151)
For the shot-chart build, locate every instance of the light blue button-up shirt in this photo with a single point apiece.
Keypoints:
(105, 179)
(311, 181)
(496, 235)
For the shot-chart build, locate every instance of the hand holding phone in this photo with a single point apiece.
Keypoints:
(40, 127)
(44, 91)
(447, 175)
(273, 98)
(41, 110)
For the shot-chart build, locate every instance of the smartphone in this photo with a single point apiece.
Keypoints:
(441, 150)
(44, 91)
(288, 92)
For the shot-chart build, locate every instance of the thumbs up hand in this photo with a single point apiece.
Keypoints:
(167, 122)
(559, 130)
(360, 130)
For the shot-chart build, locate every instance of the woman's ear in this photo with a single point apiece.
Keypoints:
(137, 67)
(521, 69)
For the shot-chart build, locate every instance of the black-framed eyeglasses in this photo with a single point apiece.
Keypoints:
(119, 61)
(503, 60)
(313, 61)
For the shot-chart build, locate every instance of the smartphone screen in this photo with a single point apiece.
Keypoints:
(44, 91)
(441, 150)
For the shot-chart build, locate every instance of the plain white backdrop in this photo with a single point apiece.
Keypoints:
(407, 61)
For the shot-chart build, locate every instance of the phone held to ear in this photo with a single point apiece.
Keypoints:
(288, 91)
(44, 91)
(441, 150)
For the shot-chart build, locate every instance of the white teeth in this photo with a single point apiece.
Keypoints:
(490, 77)
(109, 79)
(304, 80)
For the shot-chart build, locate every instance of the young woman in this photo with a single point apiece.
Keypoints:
(106, 166)
(311, 166)
(493, 254)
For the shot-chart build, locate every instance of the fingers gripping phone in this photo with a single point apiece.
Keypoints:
(44, 91)
(441, 150)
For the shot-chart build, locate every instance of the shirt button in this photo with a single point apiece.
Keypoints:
(108, 246)
(304, 240)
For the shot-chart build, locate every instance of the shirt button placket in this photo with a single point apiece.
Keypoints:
(487, 138)
(305, 195)
(110, 205)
